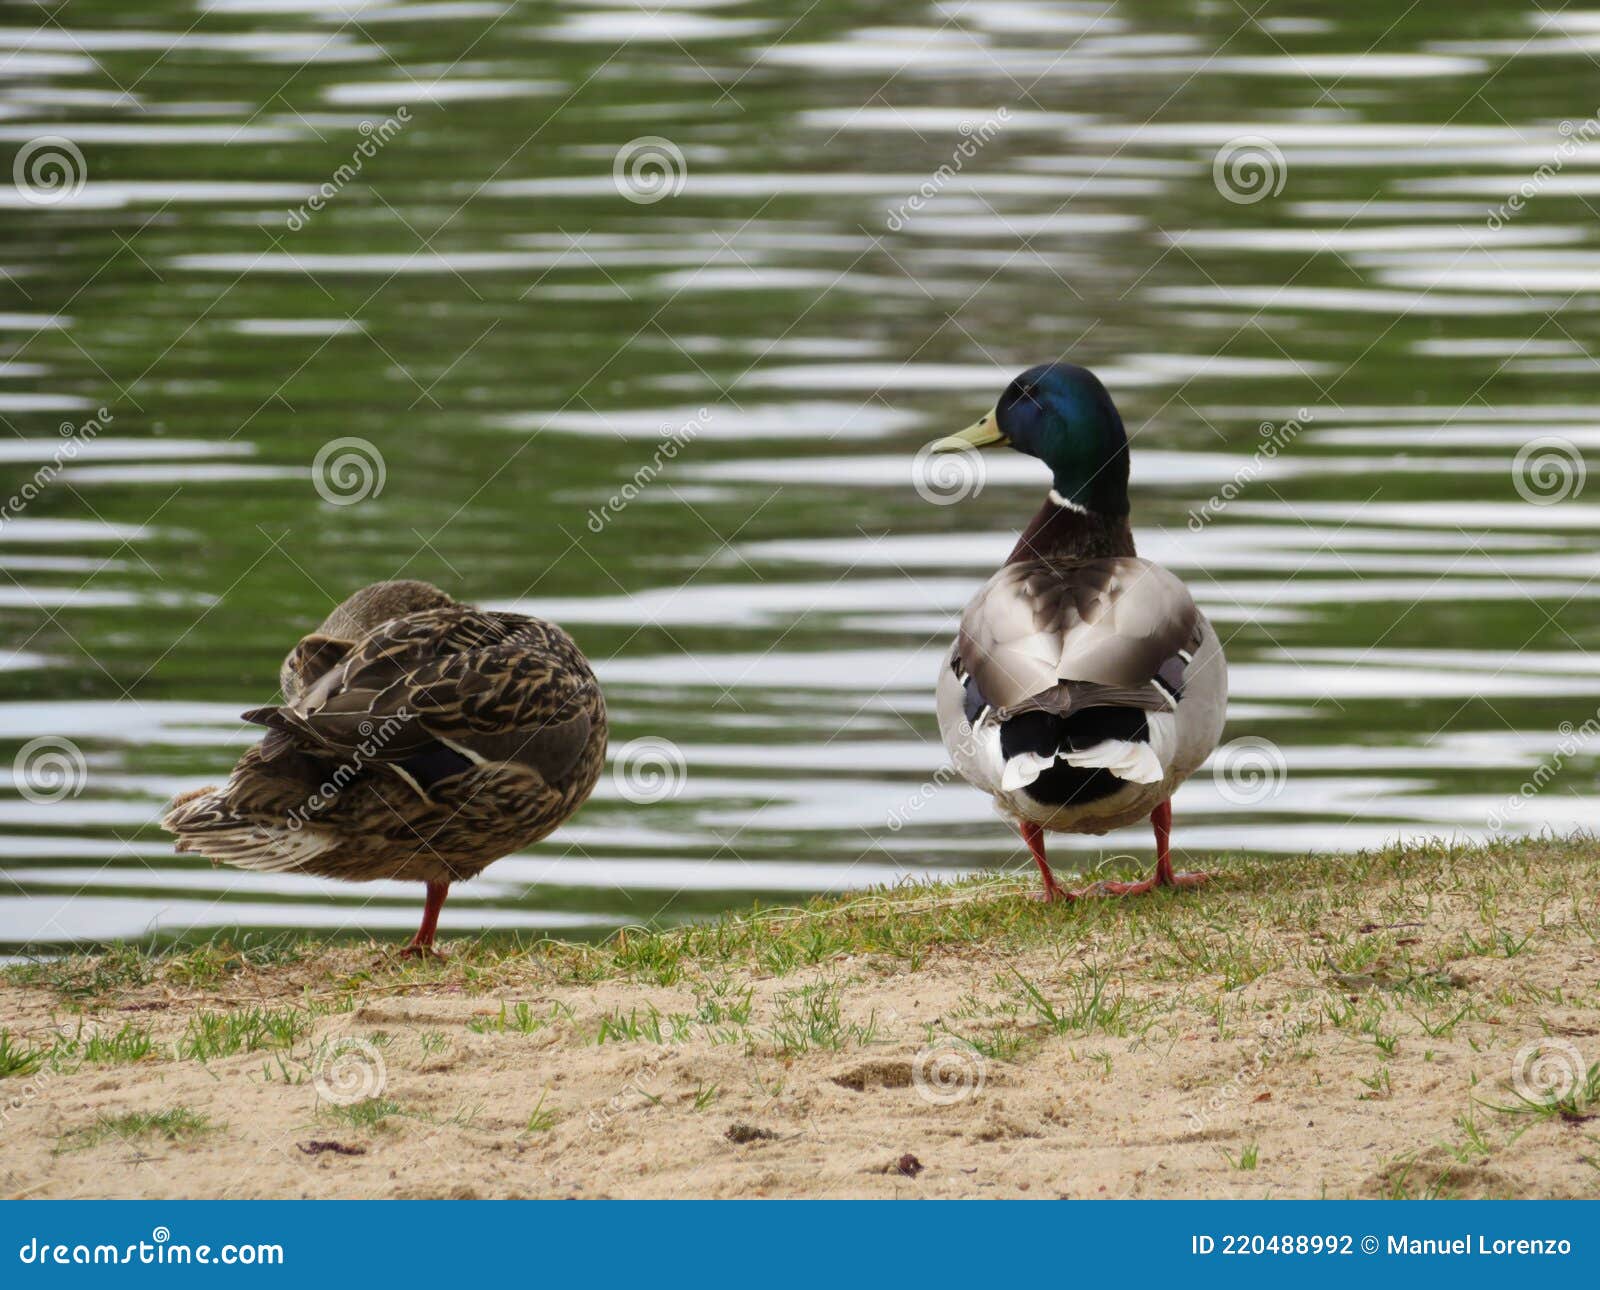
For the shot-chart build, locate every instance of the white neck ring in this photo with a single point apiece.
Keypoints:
(1065, 505)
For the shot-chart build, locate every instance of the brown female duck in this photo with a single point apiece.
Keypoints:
(419, 739)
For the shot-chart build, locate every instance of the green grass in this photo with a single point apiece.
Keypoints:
(539, 1119)
(1249, 1157)
(215, 961)
(1379, 1085)
(520, 1020)
(211, 1035)
(1187, 935)
(175, 1124)
(1349, 922)
(1578, 1105)
(812, 1018)
(123, 1046)
(115, 970)
(1091, 1007)
(374, 1113)
(120, 968)
(18, 1057)
(129, 1044)
(369, 1113)
(636, 1026)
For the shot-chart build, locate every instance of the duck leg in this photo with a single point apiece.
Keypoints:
(421, 946)
(1161, 820)
(1033, 835)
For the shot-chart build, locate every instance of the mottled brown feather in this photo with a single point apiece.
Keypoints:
(505, 703)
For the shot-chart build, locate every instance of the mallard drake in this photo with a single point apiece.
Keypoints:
(1084, 685)
(419, 739)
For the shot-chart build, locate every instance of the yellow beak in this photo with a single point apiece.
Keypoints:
(980, 435)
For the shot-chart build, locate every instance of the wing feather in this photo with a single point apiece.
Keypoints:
(489, 686)
(1065, 635)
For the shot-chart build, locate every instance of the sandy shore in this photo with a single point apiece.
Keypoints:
(1417, 1023)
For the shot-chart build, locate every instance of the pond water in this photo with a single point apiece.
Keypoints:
(637, 316)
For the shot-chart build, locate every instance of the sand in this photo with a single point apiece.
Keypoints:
(1420, 1024)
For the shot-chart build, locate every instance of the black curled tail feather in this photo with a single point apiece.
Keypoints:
(283, 731)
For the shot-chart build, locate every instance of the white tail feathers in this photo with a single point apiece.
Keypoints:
(1136, 762)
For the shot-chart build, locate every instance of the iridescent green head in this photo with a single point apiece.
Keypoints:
(1062, 415)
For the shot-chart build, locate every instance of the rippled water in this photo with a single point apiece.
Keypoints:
(1339, 273)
